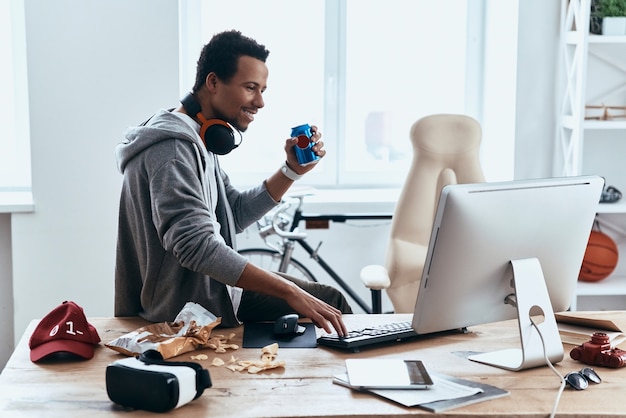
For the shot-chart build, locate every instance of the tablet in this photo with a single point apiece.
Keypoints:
(387, 374)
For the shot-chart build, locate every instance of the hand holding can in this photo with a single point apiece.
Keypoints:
(303, 148)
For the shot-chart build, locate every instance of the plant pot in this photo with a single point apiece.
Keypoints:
(614, 26)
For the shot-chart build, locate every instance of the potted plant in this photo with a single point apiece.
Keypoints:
(613, 15)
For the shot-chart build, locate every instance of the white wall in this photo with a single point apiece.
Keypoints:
(94, 68)
(97, 67)
(6, 289)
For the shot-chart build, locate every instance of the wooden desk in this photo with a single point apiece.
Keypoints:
(304, 387)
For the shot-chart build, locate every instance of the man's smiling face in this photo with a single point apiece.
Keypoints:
(238, 100)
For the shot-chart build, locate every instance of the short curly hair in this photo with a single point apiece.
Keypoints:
(221, 55)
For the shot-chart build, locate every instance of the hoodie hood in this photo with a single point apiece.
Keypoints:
(162, 126)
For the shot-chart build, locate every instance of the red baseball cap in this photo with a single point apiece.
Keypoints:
(64, 329)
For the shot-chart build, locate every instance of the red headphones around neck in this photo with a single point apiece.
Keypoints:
(217, 134)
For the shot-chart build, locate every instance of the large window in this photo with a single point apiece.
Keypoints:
(14, 137)
(395, 72)
(362, 70)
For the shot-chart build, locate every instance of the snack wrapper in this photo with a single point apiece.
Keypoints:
(190, 330)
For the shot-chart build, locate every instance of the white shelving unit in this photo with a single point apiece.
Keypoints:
(594, 68)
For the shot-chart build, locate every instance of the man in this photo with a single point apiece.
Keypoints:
(179, 213)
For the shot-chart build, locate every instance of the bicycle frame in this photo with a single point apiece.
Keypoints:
(298, 217)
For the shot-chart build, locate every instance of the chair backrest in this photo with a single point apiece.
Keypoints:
(446, 151)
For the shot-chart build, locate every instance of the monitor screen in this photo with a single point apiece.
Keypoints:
(480, 228)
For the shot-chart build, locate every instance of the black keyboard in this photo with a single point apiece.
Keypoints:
(356, 338)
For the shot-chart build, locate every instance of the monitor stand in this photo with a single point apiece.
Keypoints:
(530, 293)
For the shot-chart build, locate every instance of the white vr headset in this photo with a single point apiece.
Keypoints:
(150, 383)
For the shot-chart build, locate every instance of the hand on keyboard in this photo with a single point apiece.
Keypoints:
(393, 331)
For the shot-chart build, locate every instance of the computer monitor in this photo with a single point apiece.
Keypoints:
(498, 250)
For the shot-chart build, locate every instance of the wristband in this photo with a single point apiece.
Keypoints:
(289, 173)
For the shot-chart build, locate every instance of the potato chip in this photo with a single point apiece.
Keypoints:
(254, 369)
(235, 367)
(270, 349)
(261, 366)
(220, 343)
(200, 357)
(267, 361)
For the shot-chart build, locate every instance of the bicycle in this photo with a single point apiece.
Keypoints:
(279, 257)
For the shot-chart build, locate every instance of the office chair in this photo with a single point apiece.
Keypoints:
(445, 151)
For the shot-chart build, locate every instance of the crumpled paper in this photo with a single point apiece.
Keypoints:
(190, 330)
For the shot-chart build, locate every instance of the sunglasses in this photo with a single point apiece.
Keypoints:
(580, 380)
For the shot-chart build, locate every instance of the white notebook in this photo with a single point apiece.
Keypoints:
(387, 374)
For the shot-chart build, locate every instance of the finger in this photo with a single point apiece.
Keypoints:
(342, 326)
(318, 145)
(337, 322)
(324, 324)
(315, 132)
(339, 327)
(289, 144)
(325, 318)
(335, 319)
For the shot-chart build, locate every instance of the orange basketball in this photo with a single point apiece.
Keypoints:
(600, 258)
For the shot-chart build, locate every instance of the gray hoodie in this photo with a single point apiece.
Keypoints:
(177, 223)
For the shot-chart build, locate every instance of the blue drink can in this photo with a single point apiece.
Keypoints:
(304, 153)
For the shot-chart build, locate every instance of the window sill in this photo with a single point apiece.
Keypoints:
(327, 201)
(16, 202)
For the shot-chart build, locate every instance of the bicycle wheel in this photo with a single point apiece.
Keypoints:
(270, 260)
